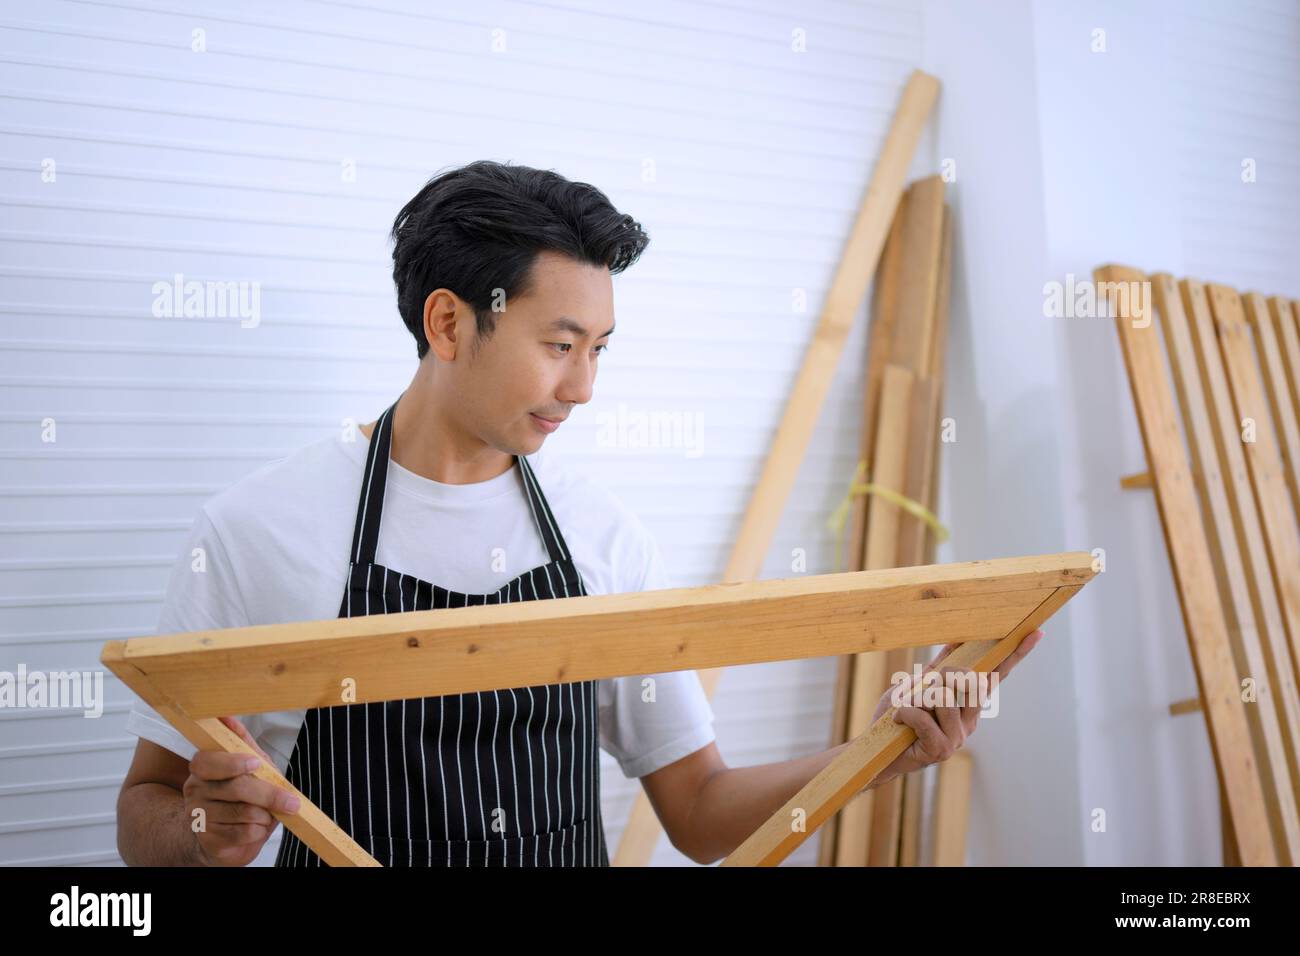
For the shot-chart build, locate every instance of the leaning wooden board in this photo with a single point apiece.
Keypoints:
(848, 288)
(193, 678)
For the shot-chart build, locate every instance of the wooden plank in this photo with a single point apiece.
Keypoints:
(942, 305)
(310, 824)
(1277, 617)
(952, 810)
(914, 349)
(1263, 458)
(869, 675)
(885, 841)
(867, 755)
(884, 318)
(884, 313)
(1283, 313)
(250, 670)
(1277, 390)
(857, 265)
(914, 334)
(914, 786)
(1188, 556)
(1275, 723)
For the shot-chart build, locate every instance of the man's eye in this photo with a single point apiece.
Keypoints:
(565, 347)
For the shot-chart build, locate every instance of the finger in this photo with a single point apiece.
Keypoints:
(1018, 655)
(930, 740)
(954, 732)
(970, 713)
(249, 789)
(226, 812)
(215, 765)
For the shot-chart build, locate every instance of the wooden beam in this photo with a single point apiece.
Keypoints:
(1274, 615)
(1262, 455)
(866, 756)
(250, 670)
(869, 676)
(1140, 480)
(310, 824)
(1283, 313)
(1277, 389)
(885, 842)
(883, 321)
(1198, 595)
(857, 265)
(952, 810)
(1275, 733)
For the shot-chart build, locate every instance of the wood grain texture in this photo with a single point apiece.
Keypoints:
(1278, 391)
(1198, 594)
(1275, 723)
(1283, 313)
(952, 810)
(1263, 456)
(869, 676)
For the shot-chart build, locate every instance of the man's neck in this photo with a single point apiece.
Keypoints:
(427, 444)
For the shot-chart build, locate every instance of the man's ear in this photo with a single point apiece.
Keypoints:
(447, 323)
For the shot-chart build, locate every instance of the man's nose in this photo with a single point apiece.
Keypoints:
(579, 379)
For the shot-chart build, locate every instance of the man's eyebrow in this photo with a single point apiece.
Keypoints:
(566, 324)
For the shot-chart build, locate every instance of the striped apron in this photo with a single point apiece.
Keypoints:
(492, 778)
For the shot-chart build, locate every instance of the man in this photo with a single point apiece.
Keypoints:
(503, 277)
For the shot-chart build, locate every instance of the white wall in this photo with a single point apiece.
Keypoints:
(1000, 478)
(226, 164)
(1142, 153)
(1067, 159)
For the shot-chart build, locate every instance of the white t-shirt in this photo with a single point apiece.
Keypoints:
(276, 546)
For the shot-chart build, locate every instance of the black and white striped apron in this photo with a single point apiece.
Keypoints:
(492, 778)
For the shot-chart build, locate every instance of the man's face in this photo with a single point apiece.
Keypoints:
(541, 360)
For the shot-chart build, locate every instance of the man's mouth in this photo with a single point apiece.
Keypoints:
(546, 424)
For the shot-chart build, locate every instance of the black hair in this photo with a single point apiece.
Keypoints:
(480, 227)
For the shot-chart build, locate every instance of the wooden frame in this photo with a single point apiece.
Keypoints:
(193, 678)
(1217, 614)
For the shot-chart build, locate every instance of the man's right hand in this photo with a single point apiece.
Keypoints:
(236, 805)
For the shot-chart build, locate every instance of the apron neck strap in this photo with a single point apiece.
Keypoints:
(370, 507)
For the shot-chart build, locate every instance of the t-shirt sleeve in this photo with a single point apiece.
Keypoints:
(202, 595)
(652, 720)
